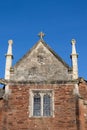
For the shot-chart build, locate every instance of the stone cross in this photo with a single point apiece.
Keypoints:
(41, 35)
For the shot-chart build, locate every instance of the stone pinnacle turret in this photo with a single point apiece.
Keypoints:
(9, 57)
(74, 57)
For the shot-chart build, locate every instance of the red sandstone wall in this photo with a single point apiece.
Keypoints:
(1, 114)
(64, 109)
(83, 104)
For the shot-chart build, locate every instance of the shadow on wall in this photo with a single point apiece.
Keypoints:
(2, 91)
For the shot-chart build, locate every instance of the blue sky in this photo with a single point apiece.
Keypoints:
(60, 20)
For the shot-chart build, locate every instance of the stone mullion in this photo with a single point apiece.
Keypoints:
(32, 103)
(41, 103)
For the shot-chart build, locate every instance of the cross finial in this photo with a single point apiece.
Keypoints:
(41, 35)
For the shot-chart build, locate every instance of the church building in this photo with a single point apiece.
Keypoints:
(42, 92)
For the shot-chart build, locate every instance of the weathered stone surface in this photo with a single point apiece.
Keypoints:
(41, 64)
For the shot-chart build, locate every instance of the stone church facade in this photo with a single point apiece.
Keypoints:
(41, 92)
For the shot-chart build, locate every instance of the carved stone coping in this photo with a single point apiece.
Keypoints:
(79, 80)
(82, 80)
(3, 81)
(43, 82)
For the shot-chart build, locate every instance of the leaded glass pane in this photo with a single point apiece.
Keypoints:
(37, 105)
(46, 105)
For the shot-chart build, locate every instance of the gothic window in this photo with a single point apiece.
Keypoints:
(37, 105)
(46, 105)
(41, 103)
